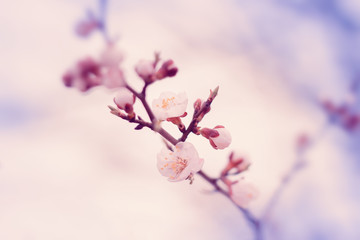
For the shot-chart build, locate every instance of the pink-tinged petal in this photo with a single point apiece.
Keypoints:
(168, 69)
(177, 165)
(169, 105)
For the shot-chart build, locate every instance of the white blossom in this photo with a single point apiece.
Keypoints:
(179, 164)
(169, 105)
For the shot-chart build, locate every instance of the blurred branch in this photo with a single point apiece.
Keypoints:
(298, 165)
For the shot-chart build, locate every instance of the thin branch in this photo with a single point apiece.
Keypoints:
(142, 98)
(297, 166)
(205, 107)
(166, 135)
(253, 221)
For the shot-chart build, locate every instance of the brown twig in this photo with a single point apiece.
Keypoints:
(195, 120)
(142, 97)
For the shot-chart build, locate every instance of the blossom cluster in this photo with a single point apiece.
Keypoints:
(179, 160)
(342, 114)
(182, 161)
(90, 72)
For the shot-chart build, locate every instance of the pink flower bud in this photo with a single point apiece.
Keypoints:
(219, 137)
(124, 99)
(68, 78)
(238, 162)
(145, 69)
(197, 104)
(208, 132)
(168, 69)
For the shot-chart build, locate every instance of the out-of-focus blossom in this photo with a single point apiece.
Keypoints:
(145, 69)
(180, 164)
(85, 75)
(124, 99)
(86, 26)
(89, 72)
(236, 163)
(169, 105)
(112, 74)
(345, 115)
(111, 56)
(242, 193)
(219, 137)
(168, 69)
(113, 78)
(302, 142)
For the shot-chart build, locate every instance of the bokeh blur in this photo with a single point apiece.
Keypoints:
(70, 170)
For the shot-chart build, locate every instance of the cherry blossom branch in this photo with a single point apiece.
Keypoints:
(154, 125)
(139, 121)
(90, 73)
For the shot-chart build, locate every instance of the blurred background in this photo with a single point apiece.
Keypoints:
(71, 170)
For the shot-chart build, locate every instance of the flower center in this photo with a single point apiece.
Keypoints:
(179, 165)
(166, 102)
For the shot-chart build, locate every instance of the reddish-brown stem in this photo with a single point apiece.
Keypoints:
(142, 97)
(167, 136)
(194, 120)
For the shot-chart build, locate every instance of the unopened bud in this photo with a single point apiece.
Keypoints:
(209, 133)
(197, 105)
(145, 69)
(124, 99)
(168, 69)
(219, 137)
(68, 79)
